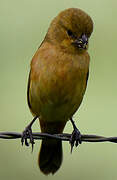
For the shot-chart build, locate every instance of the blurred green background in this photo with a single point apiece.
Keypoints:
(23, 25)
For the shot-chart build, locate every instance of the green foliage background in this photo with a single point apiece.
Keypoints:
(23, 25)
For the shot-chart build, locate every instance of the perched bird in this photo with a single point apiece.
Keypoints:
(57, 82)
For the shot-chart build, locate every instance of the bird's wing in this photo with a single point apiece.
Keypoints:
(87, 77)
(28, 88)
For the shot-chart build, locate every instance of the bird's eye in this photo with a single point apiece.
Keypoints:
(69, 32)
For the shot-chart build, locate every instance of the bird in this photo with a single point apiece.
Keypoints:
(57, 82)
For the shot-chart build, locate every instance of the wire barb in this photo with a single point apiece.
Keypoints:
(62, 137)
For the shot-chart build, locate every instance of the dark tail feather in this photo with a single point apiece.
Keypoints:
(50, 156)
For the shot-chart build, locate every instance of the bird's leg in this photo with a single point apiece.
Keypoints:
(27, 133)
(75, 137)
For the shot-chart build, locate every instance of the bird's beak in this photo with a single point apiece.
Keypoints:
(82, 42)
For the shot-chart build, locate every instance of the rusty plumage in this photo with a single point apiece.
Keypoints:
(58, 79)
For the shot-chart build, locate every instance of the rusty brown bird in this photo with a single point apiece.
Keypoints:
(57, 82)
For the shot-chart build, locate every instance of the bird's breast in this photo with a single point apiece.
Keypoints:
(58, 85)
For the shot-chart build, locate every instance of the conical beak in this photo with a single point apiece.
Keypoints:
(82, 42)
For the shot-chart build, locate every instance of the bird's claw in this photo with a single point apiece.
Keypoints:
(75, 138)
(27, 134)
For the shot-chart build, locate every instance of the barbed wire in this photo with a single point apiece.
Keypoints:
(62, 137)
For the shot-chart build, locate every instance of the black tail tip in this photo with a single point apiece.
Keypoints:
(50, 156)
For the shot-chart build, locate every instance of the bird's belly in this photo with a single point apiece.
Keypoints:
(59, 100)
(61, 110)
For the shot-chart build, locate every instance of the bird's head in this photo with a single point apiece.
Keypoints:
(71, 30)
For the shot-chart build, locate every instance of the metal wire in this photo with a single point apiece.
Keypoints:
(63, 137)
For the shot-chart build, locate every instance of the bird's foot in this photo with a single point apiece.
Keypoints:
(75, 137)
(27, 134)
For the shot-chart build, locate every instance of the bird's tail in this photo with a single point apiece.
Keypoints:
(50, 156)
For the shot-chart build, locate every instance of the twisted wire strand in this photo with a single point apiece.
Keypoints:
(62, 137)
